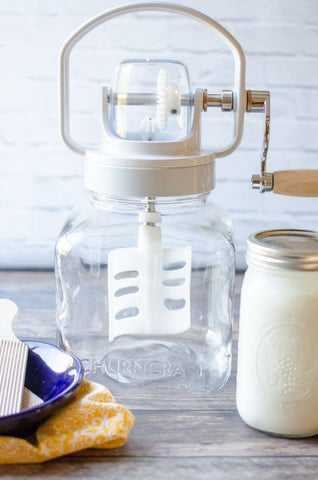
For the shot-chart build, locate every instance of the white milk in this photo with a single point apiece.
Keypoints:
(277, 380)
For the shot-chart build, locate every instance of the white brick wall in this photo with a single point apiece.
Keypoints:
(41, 180)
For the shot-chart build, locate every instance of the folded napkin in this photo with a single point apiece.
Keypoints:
(92, 419)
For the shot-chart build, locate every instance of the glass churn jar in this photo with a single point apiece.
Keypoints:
(277, 379)
(137, 311)
(145, 271)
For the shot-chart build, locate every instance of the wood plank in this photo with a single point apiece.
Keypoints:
(34, 292)
(33, 278)
(204, 434)
(27, 279)
(36, 289)
(159, 398)
(218, 468)
(175, 436)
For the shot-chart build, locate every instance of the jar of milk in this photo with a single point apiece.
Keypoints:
(277, 373)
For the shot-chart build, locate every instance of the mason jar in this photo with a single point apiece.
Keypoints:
(277, 372)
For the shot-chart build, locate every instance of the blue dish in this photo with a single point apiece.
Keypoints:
(53, 375)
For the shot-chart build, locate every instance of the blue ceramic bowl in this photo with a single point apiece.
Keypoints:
(53, 375)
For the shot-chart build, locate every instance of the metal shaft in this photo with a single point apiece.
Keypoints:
(224, 100)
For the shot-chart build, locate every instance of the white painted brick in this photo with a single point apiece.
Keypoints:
(41, 180)
(51, 31)
(184, 36)
(14, 161)
(86, 128)
(255, 73)
(309, 41)
(216, 132)
(14, 223)
(225, 11)
(306, 102)
(98, 65)
(289, 205)
(308, 135)
(28, 128)
(290, 72)
(231, 10)
(29, 96)
(73, 192)
(83, 8)
(26, 255)
(286, 134)
(53, 220)
(211, 70)
(16, 7)
(47, 163)
(16, 191)
(86, 97)
(55, 193)
(289, 11)
(144, 35)
(284, 102)
(289, 159)
(266, 39)
(15, 31)
(36, 63)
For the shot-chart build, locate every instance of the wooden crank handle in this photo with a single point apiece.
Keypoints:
(296, 183)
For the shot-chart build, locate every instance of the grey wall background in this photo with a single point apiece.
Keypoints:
(41, 181)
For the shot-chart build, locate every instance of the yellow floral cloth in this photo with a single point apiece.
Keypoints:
(92, 419)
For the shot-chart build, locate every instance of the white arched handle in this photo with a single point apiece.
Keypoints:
(296, 183)
(239, 100)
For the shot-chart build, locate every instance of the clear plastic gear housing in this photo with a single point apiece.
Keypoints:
(151, 101)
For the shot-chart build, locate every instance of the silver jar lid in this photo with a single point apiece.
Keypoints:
(293, 249)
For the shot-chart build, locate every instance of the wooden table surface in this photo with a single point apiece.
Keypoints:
(205, 439)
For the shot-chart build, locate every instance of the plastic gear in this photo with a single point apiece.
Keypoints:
(169, 101)
(162, 102)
